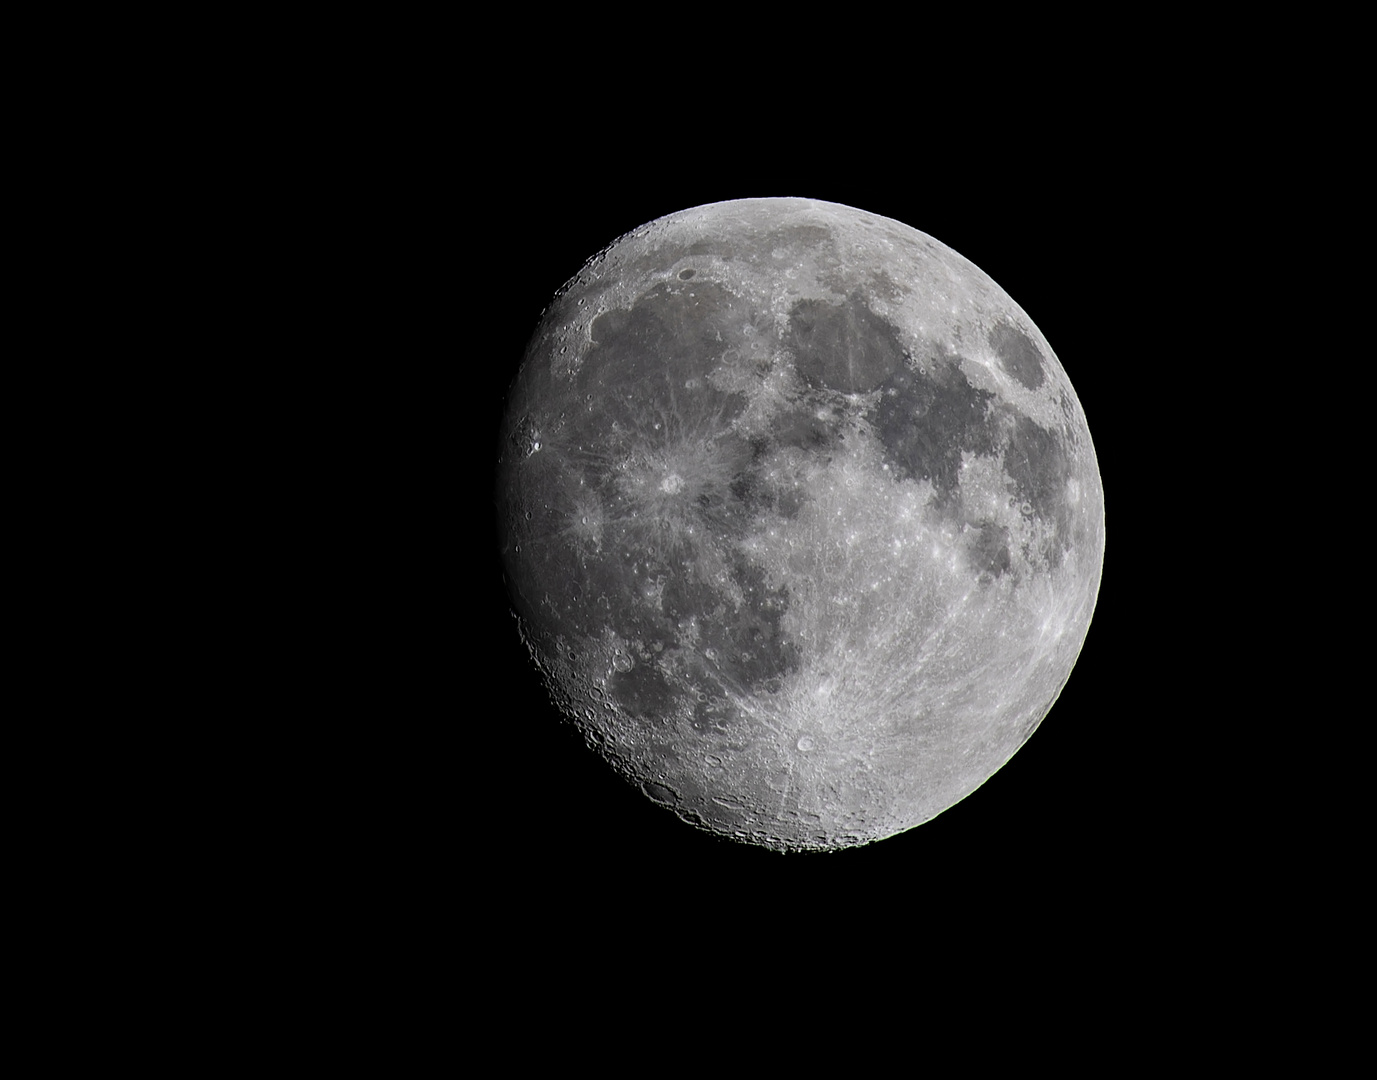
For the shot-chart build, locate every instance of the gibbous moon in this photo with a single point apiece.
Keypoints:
(800, 517)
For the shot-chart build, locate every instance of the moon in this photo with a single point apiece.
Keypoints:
(800, 517)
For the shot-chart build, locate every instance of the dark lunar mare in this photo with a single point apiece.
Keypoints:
(644, 395)
(843, 346)
(927, 419)
(1041, 466)
(929, 416)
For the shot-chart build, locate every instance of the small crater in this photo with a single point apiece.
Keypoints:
(684, 275)
(526, 437)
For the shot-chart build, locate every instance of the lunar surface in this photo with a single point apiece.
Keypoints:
(800, 517)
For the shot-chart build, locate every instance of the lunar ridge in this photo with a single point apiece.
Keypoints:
(800, 517)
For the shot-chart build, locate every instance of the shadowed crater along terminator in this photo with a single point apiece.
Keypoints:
(801, 519)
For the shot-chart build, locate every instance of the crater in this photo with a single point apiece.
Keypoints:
(526, 437)
(661, 793)
(1017, 354)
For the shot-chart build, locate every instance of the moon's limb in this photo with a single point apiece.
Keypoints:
(801, 517)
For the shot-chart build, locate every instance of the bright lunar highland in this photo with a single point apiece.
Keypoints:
(800, 518)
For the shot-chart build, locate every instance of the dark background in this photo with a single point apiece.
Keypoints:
(1115, 215)
(1066, 820)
